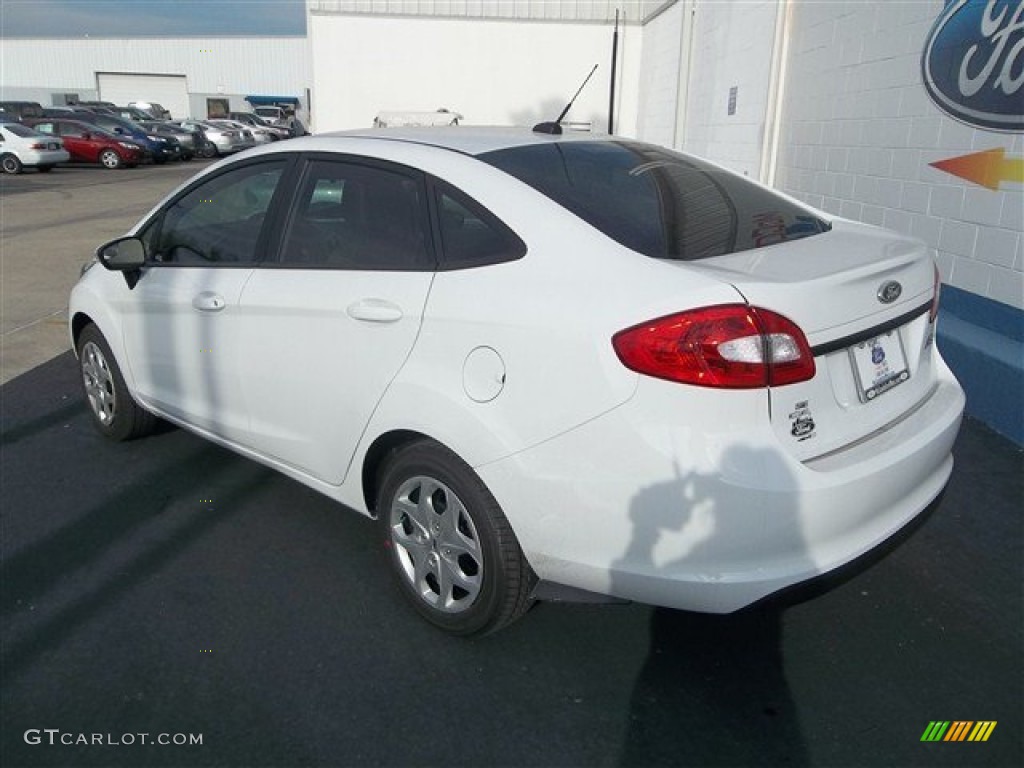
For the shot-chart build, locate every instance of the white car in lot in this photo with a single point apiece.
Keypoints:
(547, 365)
(20, 146)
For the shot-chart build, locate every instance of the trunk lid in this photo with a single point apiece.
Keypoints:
(872, 342)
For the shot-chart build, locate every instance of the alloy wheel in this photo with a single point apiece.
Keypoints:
(436, 544)
(99, 383)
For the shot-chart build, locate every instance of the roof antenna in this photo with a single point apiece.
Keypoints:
(554, 128)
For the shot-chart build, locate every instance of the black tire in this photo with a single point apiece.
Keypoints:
(44, 168)
(457, 533)
(114, 412)
(159, 160)
(109, 159)
(10, 164)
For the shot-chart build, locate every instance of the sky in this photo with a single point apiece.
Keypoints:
(151, 18)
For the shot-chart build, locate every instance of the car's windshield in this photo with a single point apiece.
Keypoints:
(661, 203)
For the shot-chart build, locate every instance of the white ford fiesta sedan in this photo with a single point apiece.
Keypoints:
(549, 366)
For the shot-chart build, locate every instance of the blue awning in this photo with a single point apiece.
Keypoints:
(271, 100)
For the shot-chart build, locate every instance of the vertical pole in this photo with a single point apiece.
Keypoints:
(611, 95)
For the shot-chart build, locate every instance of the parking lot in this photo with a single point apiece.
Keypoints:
(167, 587)
(51, 223)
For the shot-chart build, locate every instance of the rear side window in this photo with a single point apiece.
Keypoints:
(471, 236)
(660, 203)
(358, 217)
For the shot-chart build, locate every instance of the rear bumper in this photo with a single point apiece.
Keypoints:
(704, 513)
(33, 157)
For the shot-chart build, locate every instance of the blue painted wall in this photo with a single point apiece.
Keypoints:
(983, 342)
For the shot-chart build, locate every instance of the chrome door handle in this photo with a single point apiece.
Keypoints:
(375, 311)
(208, 301)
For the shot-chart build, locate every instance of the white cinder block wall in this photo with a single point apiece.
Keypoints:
(859, 132)
(732, 48)
(495, 72)
(662, 64)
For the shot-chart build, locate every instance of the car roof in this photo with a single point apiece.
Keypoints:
(470, 140)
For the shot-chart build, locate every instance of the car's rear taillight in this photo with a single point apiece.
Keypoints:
(732, 346)
(934, 312)
(37, 145)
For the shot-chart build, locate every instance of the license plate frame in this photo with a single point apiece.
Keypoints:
(879, 364)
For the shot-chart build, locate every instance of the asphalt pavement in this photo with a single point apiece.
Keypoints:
(166, 589)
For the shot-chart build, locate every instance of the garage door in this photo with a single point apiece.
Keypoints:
(169, 90)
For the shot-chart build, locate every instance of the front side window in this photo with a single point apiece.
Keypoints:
(661, 203)
(349, 216)
(219, 221)
(74, 131)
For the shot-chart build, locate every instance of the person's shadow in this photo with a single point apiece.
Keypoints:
(713, 689)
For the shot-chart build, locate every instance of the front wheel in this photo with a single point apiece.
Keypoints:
(10, 164)
(449, 544)
(110, 159)
(113, 410)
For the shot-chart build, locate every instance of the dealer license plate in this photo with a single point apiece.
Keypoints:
(879, 365)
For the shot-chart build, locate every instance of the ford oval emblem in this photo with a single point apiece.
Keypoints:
(971, 63)
(889, 292)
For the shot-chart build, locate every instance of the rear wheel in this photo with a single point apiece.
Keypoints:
(113, 410)
(10, 164)
(110, 159)
(449, 544)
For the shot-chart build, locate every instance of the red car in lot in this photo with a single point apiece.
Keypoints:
(88, 143)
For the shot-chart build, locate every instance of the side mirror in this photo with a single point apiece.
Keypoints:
(122, 255)
(126, 255)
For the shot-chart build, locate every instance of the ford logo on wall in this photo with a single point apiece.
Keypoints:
(973, 63)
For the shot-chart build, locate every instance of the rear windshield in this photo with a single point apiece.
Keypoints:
(20, 130)
(660, 203)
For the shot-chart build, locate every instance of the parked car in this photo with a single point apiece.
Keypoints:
(132, 113)
(21, 146)
(187, 140)
(225, 139)
(253, 133)
(157, 148)
(273, 115)
(547, 365)
(253, 120)
(88, 143)
(69, 112)
(157, 111)
(18, 110)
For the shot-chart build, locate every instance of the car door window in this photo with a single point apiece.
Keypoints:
(219, 221)
(472, 236)
(73, 131)
(349, 216)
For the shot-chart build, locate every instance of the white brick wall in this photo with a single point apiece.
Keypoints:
(859, 132)
(662, 43)
(732, 47)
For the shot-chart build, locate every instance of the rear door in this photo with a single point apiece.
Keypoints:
(76, 147)
(329, 325)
